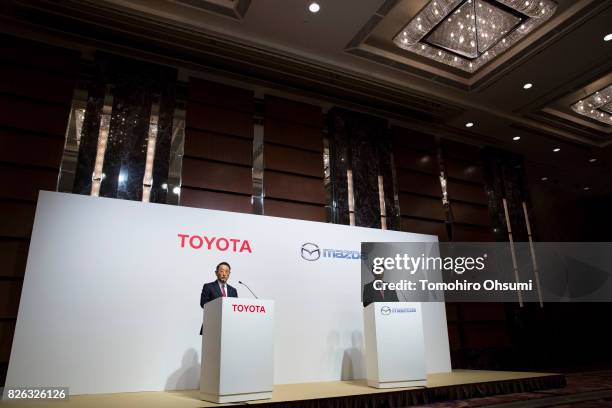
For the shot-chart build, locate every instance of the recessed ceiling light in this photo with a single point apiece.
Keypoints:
(556, 149)
(587, 188)
(593, 160)
(527, 85)
(608, 37)
(516, 138)
(544, 178)
(469, 124)
(314, 7)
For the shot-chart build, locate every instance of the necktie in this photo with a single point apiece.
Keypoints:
(223, 291)
(382, 294)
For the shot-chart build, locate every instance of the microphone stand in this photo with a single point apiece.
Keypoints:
(246, 286)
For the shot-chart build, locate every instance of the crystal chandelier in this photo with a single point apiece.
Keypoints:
(596, 106)
(466, 34)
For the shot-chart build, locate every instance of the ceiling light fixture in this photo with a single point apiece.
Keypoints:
(528, 85)
(556, 149)
(544, 178)
(466, 34)
(593, 160)
(608, 37)
(587, 188)
(469, 124)
(314, 7)
(516, 138)
(597, 106)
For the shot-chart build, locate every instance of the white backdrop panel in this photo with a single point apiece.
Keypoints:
(110, 300)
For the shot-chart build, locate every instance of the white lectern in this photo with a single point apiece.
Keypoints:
(237, 350)
(395, 346)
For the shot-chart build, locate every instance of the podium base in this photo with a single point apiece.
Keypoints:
(221, 399)
(397, 384)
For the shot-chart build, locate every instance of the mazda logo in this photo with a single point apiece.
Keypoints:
(310, 251)
(385, 310)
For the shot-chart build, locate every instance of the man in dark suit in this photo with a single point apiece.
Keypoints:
(371, 294)
(218, 288)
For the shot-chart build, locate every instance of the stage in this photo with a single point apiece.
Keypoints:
(459, 384)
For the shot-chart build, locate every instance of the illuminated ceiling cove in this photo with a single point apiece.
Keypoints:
(596, 106)
(466, 34)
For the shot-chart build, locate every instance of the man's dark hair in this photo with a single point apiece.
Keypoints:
(223, 263)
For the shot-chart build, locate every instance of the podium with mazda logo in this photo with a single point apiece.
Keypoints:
(237, 350)
(395, 345)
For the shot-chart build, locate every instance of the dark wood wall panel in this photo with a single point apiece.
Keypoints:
(422, 207)
(24, 183)
(471, 214)
(10, 292)
(218, 155)
(424, 227)
(467, 192)
(215, 119)
(230, 149)
(295, 188)
(300, 211)
(35, 95)
(293, 160)
(417, 160)
(459, 150)
(16, 219)
(18, 113)
(7, 330)
(292, 111)
(419, 183)
(44, 58)
(34, 83)
(293, 135)
(467, 233)
(216, 176)
(221, 95)
(463, 170)
(13, 257)
(474, 193)
(413, 140)
(16, 147)
(215, 201)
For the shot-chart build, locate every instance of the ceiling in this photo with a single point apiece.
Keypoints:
(345, 54)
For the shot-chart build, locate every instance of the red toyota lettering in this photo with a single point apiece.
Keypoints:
(195, 238)
(225, 245)
(249, 308)
(209, 241)
(245, 246)
(215, 243)
(182, 237)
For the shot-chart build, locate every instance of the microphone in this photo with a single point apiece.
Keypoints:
(246, 286)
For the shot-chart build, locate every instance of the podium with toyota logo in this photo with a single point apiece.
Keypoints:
(237, 350)
(395, 345)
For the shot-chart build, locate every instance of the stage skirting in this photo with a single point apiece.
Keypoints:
(459, 384)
